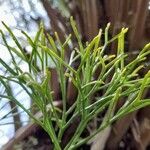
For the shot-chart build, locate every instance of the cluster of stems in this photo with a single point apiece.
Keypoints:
(117, 79)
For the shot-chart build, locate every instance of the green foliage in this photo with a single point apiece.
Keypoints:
(117, 80)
